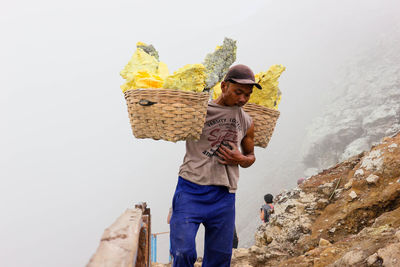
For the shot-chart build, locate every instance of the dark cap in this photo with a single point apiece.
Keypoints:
(241, 74)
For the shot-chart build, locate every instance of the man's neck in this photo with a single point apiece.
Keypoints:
(219, 101)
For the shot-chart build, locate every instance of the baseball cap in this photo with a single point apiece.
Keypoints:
(241, 74)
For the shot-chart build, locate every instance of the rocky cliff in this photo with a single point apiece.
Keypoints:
(347, 215)
(364, 106)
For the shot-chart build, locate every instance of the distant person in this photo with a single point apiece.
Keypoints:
(267, 209)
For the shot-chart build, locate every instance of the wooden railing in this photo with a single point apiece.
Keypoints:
(126, 243)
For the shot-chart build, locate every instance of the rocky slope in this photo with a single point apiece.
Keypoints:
(347, 215)
(363, 108)
(355, 110)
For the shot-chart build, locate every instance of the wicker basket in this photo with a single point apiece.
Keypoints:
(264, 122)
(170, 115)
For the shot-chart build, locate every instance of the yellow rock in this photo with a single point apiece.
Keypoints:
(270, 95)
(216, 91)
(189, 78)
(163, 70)
(143, 71)
(142, 79)
(140, 44)
(140, 61)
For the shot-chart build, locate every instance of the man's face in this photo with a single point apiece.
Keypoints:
(235, 94)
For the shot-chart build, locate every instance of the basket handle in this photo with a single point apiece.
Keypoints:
(144, 102)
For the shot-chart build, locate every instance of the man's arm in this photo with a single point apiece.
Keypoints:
(234, 156)
(262, 214)
(248, 147)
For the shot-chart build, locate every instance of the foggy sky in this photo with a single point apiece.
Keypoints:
(69, 165)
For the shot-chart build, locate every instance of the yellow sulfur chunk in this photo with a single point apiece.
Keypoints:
(143, 71)
(189, 78)
(150, 82)
(270, 95)
(140, 44)
(163, 70)
(216, 91)
(140, 61)
(142, 79)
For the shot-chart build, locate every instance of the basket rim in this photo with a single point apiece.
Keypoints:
(177, 91)
(259, 108)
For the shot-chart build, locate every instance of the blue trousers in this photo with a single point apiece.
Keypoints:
(214, 207)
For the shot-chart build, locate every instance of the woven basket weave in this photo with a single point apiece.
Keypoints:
(264, 122)
(170, 115)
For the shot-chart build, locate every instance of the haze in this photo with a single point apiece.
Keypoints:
(69, 165)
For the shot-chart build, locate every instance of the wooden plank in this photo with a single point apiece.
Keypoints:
(119, 243)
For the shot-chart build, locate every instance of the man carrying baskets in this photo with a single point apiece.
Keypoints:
(208, 177)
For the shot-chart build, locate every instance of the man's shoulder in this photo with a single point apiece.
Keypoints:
(266, 206)
(245, 114)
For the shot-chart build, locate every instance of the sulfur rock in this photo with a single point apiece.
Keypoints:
(189, 78)
(270, 95)
(140, 61)
(217, 63)
(144, 70)
(163, 71)
(149, 49)
(142, 79)
(216, 91)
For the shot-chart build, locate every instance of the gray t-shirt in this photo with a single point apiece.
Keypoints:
(200, 164)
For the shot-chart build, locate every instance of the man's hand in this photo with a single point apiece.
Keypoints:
(234, 156)
(229, 156)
